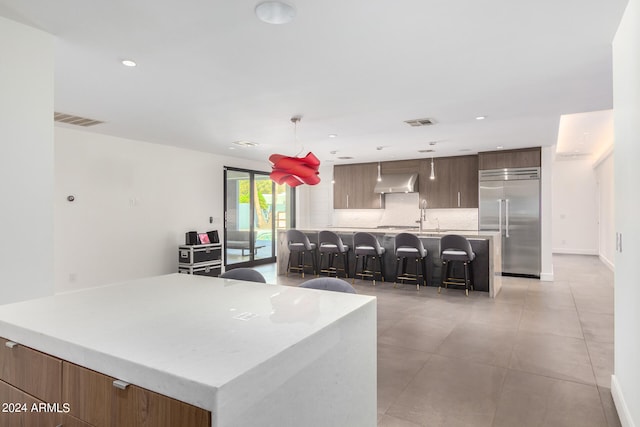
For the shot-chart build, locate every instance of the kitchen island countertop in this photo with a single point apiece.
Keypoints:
(249, 353)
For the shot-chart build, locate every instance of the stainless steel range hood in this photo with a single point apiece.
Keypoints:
(397, 183)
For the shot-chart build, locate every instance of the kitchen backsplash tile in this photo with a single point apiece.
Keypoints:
(402, 209)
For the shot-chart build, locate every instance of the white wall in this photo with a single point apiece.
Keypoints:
(26, 162)
(315, 202)
(625, 383)
(604, 171)
(574, 207)
(133, 203)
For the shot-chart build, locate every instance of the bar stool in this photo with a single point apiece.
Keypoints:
(299, 243)
(367, 246)
(329, 284)
(409, 246)
(455, 248)
(330, 243)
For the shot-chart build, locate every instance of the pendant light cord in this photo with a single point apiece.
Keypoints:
(295, 120)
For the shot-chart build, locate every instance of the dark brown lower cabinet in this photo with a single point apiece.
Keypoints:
(94, 398)
(18, 409)
(69, 421)
(31, 371)
(39, 390)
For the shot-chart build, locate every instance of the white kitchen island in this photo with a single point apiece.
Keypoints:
(252, 354)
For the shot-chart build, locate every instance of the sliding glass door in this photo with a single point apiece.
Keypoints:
(255, 208)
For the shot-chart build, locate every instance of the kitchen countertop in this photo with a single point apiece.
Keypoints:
(412, 230)
(219, 344)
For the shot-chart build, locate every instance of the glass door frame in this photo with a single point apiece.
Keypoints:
(252, 223)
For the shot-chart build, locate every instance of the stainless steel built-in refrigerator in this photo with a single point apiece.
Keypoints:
(510, 204)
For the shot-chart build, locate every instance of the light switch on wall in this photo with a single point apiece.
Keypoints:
(619, 242)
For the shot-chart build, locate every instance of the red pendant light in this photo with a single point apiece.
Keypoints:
(294, 171)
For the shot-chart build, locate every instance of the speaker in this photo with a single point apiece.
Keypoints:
(191, 238)
(213, 236)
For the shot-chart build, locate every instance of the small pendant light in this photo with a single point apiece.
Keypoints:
(379, 176)
(433, 172)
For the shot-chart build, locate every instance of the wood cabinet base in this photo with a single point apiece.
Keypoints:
(94, 398)
(40, 390)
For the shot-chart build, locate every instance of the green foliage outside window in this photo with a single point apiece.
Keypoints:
(262, 186)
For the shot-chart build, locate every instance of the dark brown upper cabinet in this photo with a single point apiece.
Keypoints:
(523, 158)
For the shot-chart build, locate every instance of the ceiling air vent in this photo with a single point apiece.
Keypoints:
(420, 122)
(74, 120)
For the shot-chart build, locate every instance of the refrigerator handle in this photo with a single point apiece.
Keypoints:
(500, 216)
(506, 217)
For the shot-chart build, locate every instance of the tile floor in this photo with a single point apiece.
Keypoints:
(540, 354)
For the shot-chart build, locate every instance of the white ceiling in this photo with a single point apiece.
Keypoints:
(210, 73)
(585, 135)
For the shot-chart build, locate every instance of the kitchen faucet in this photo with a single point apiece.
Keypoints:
(423, 214)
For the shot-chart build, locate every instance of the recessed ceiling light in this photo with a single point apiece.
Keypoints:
(379, 148)
(245, 143)
(232, 148)
(332, 135)
(499, 147)
(275, 12)
(129, 63)
(481, 117)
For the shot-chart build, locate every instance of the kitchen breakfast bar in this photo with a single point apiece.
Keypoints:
(486, 268)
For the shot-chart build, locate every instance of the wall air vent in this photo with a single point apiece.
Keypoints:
(420, 122)
(74, 120)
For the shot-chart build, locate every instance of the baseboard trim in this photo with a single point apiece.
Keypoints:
(546, 277)
(569, 251)
(621, 405)
(608, 263)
